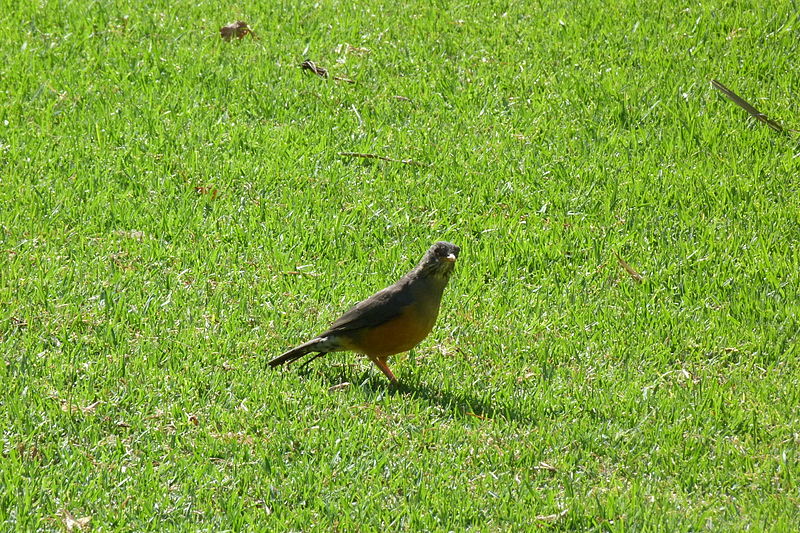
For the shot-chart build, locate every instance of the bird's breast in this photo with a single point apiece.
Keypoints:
(398, 334)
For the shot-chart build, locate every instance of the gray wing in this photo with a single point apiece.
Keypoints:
(375, 310)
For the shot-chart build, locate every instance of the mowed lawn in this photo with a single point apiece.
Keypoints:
(175, 210)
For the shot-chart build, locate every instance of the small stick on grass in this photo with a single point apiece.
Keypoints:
(738, 100)
(629, 269)
(383, 158)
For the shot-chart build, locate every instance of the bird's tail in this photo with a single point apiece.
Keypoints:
(314, 345)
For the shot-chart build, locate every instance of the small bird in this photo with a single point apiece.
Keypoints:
(390, 321)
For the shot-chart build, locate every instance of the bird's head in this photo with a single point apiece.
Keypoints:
(439, 260)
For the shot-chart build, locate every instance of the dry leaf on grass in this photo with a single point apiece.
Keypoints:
(350, 49)
(545, 466)
(236, 29)
(551, 517)
(310, 65)
(30, 452)
(321, 71)
(131, 234)
(340, 386)
(211, 191)
(75, 524)
(70, 408)
(92, 407)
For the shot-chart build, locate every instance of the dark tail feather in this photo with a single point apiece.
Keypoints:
(296, 353)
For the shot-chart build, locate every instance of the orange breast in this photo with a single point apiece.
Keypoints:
(397, 335)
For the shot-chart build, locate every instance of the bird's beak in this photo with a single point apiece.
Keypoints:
(451, 258)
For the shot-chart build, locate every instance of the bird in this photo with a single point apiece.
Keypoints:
(392, 320)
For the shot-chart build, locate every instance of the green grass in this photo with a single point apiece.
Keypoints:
(137, 313)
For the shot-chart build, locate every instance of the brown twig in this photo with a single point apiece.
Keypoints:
(383, 158)
(755, 113)
(631, 272)
(544, 466)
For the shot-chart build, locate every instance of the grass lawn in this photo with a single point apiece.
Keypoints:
(175, 210)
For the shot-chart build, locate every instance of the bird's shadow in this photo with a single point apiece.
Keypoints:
(457, 402)
(463, 403)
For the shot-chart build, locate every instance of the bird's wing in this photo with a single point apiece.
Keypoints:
(375, 310)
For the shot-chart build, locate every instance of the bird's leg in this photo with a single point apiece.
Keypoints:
(385, 369)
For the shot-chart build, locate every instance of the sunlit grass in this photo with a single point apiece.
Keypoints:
(175, 211)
